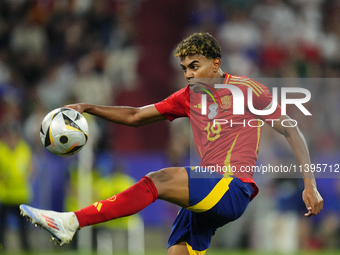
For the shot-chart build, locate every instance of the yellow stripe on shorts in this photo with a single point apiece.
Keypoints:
(213, 197)
(192, 252)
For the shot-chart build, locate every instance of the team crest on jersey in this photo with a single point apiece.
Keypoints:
(226, 101)
(213, 109)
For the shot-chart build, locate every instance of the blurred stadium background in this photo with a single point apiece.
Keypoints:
(111, 52)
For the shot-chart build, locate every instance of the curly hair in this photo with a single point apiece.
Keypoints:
(199, 43)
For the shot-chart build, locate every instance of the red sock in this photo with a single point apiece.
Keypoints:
(126, 203)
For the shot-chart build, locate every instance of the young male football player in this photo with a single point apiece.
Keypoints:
(213, 199)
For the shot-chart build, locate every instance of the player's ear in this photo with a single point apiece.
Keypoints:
(216, 64)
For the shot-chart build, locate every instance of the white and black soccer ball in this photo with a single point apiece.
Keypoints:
(64, 131)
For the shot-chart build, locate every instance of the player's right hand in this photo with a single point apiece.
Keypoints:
(80, 107)
(313, 201)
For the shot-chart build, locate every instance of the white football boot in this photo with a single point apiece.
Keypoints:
(62, 226)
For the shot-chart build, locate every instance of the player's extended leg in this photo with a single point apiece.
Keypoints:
(172, 184)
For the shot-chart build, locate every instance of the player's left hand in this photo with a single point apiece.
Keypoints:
(313, 201)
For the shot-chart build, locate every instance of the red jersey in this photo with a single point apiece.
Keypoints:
(222, 138)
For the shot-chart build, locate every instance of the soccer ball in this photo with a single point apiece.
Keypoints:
(64, 131)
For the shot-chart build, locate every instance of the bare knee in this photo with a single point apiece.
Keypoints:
(171, 175)
(160, 176)
(162, 180)
(172, 185)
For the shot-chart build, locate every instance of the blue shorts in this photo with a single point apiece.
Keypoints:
(214, 201)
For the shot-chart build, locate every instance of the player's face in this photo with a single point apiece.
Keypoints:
(198, 66)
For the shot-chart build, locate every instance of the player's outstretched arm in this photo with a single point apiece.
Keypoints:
(125, 115)
(310, 195)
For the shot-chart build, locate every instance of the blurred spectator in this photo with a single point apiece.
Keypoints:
(205, 15)
(279, 17)
(55, 90)
(100, 20)
(178, 150)
(28, 36)
(123, 55)
(4, 68)
(92, 85)
(240, 41)
(15, 169)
